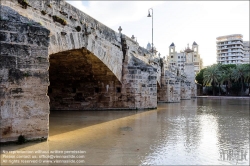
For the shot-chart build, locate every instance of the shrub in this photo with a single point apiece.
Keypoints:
(60, 20)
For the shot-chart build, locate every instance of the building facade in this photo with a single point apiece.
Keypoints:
(230, 49)
(189, 55)
(246, 48)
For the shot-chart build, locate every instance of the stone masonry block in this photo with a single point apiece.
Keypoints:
(9, 49)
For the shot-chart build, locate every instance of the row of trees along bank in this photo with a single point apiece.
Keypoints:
(234, 79)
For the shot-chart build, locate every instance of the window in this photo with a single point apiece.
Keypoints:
(172, 50)
(195, 55)
(178, 57)
(171, 56)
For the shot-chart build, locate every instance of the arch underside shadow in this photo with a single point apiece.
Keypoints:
(81, 81)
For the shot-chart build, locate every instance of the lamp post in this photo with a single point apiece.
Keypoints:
(152, 29)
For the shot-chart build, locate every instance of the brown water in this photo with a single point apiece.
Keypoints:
(197, 131)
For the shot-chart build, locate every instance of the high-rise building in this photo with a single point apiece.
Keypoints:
(246, 48)
(230, 49)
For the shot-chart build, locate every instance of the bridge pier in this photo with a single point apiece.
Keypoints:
(139, 85)
(23, 77)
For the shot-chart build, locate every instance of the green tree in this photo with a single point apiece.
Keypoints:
(211, 76)
(238, 75)
(247, 77)
(199, 76)
(226, 77)
(226, 67)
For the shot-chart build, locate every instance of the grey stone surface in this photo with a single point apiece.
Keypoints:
(55, 57)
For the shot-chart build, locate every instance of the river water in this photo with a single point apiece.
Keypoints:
(197, 131)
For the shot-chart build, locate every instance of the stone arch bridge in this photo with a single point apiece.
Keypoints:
(55, 57)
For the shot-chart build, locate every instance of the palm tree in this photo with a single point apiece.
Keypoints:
(226, 77)
(222, 76)
(211, 76)
(222, 79)
(247, 77)
(238, 75)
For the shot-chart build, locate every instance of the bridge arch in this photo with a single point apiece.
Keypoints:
(81, 81)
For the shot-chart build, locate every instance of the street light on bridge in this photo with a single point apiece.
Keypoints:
(152, 29)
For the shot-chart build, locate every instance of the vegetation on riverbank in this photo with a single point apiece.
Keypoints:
(228, 79)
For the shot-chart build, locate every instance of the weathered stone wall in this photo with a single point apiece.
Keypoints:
(177, 91)
(140, 84)
(139, 78)
(185, 90)
(162, 92)
(175, 85)
(71, 29)
(23, 77)
(189, 70)
(170, 88)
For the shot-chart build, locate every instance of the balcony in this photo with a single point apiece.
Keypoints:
(235, 50)
(239, 58)
(222, 55)
(235, 54)
(225, 44)
(235, 47)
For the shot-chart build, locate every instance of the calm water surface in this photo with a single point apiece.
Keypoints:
(197, 131)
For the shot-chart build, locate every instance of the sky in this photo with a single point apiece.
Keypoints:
(181, 22)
